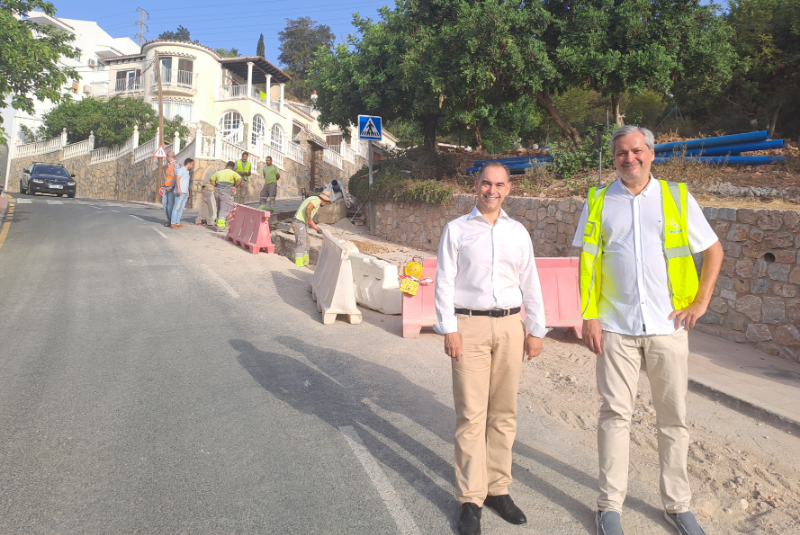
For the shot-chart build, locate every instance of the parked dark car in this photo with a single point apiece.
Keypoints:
(47, 178)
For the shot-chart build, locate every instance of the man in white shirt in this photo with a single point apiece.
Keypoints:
(486, 272)
(635, 320)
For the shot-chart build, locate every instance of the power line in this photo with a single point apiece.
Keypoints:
(143, 15)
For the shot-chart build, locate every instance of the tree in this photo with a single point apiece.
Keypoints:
(228, 52)
(616, 46)
(300, 40)
(111, 121)
(30, 58)
(440, 63)
(181, 34)
(767, 43)
(260, 46)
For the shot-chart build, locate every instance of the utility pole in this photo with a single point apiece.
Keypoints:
(143, 16)
(160, 119)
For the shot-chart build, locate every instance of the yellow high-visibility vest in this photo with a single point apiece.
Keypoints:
(681, 271)
(243, 168)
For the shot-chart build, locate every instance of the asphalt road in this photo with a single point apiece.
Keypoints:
(165, 381)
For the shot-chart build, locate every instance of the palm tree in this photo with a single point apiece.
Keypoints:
(228, 52)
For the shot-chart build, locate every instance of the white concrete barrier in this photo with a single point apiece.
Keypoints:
(208, 208)
(332, 284)
(377, 284)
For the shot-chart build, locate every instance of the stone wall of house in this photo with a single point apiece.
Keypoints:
(756, 299)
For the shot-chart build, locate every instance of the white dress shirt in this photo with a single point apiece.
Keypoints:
(483, 266)
(634, 291)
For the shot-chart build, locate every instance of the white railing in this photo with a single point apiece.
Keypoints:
(296, 152)
(123, 86)
(108, 154)
(204, 147)
(360, 148)
(187, 152)
(233, 91)
(330, 157)
(276, 155)
(145, 150)
(99, 89)
(79, 149)
(275, 105)
(347, 153)
(230, 152)
(176, 78)
(41, 147)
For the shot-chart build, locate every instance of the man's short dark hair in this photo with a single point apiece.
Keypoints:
(245, 154)
(487, 165)
(187, 161)
(268, 158)
(230, 164)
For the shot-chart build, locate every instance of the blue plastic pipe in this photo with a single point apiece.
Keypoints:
(512, 161)
(731, 160)
(733, 150)
(735, 139)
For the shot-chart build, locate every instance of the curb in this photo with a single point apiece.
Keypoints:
(745, 407)
(3, 206)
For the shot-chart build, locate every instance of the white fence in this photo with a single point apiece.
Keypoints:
(187, 152)
(108, 154)
(347, 153)
(176, 78)
(41, 147)
(330, 157)
(145, 150)
(360, 148)
(296, 152)
(233, 91)
(216, 148)
(80, 148)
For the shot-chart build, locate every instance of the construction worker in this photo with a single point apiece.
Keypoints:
(168, 199)
(305, 217)
(243, 166)
(225, 183)
(270, 189)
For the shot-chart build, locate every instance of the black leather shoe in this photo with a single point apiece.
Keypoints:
(469, 521)
(506, 508)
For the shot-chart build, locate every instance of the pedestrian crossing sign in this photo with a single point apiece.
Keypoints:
(160, 153)
(370, 127)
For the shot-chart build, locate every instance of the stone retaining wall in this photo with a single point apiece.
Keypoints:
(756, 298)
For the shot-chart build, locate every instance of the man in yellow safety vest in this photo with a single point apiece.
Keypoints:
(639, 295)
(225, 183)
(243, 166)
(305, 217)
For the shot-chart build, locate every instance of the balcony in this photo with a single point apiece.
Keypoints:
(176, 82)
(127, 86)
(237, 92)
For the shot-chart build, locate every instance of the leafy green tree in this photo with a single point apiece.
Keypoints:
(181, 34)
(300, 40)
(441, 64)
(30, 58)
(227, 52)
(111, 121)
(767, 42)
(619, 46)
(260, 46)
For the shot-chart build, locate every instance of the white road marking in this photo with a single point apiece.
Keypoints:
(117, 211)
(162, 234)
(113, 204)
(23, 201)
(95, 207)
(55, 202)
(221, 281)
(385, 489)
(136, 217)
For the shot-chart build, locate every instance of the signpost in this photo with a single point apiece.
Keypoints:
(370, 128)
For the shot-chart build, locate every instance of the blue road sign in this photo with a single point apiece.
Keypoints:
(370, 127)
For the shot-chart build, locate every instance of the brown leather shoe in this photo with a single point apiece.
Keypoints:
(178, 226)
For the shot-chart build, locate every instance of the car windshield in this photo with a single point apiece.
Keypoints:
(53, 170)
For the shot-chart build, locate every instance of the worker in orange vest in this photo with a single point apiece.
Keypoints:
(168, 196)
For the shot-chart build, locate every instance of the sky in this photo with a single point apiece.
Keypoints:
(221, 24)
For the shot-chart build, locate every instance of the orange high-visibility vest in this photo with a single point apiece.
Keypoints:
(169, 177)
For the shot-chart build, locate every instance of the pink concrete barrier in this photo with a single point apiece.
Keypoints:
(250, 229)
(561, 292)
(420, 310)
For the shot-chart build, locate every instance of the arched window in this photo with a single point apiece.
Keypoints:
(276, 139)
(259, 130)
(231, 126)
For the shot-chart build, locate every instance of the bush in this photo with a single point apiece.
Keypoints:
(569, 161)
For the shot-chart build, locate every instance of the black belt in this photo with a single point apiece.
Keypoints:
(494, 313)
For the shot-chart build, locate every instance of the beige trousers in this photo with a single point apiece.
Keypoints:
(666, 361)
(485, 385)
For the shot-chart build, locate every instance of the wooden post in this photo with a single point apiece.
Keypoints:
(160, 121)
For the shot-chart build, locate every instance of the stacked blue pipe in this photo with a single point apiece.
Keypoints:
(711, 150)
(722, 149)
